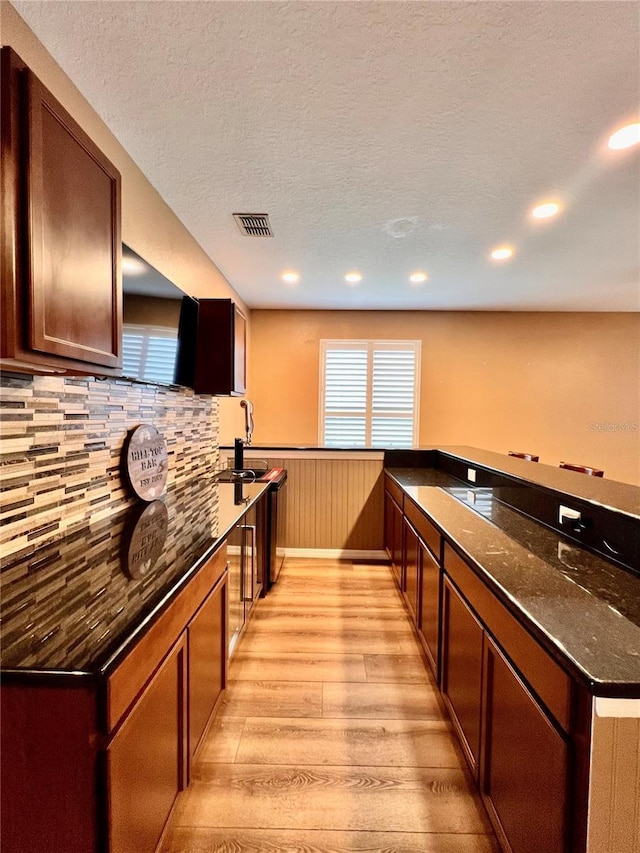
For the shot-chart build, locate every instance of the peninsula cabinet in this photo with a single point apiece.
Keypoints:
(393, 528)
(461, 681)
(412, 572)
(427, 615)
(535, 640)
(526, 762)
(516, 712)
(60, 236)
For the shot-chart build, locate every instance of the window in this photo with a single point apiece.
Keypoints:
(149, 352)
(369, 393)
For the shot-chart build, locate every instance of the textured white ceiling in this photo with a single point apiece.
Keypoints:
(354, 123)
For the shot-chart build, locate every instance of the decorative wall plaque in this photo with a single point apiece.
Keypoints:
(146, 462)
(146, 539)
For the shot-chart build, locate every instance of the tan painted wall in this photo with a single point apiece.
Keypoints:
(537, 382)
(149, 226)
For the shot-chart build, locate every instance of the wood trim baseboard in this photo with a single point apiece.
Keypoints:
(337, 554)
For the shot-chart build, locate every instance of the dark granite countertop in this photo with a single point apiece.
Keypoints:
(302, 447)
(611, 494)
(583, 609)
(72, 607)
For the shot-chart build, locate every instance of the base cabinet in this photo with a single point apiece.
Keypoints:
(522, 720)
(525, 765)
(145, 760)
(461, 684)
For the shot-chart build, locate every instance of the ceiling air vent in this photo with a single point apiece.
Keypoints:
(254, 224)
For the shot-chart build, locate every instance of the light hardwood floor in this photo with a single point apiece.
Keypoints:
(330, 737)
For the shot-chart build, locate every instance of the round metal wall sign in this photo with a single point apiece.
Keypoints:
(146, 462)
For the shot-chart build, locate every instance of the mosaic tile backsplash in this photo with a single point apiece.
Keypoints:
(60, 445)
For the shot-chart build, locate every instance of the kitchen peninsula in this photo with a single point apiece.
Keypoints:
(534, 640)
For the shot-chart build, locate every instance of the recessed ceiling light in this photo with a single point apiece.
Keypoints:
(418, 277)
(353, 277)
(133, 266)
(625, 137)
(545, 210)
(290, 277)
(501, 253)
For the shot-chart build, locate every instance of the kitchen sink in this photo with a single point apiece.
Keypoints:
(241, 475)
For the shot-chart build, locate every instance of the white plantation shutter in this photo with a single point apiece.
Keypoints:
(369, 393)
(149, 352)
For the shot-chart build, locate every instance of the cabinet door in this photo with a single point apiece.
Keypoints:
(429, 604)
(393, 534)
(239, 352)
(462, 638)
(220, 349)
(524, 774)
(145, 761)
(74, 240)
(207, 662)
(411, 571)
(61, 247)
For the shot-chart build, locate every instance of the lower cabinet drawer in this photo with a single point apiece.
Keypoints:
(394, 490)
(129, 677)
(425, 528)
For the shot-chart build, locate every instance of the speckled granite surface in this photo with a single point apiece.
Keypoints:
(583, 609)
(71, 606)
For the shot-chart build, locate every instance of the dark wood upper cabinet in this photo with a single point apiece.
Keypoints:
(212, 347)
(61, 244)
